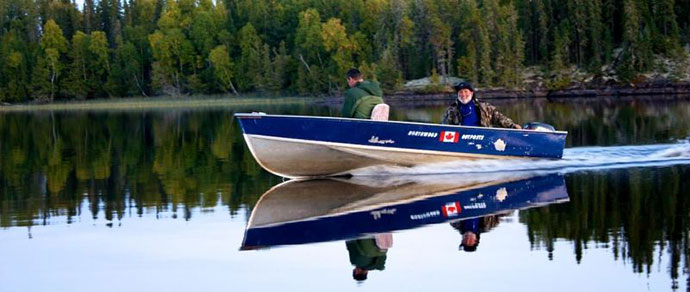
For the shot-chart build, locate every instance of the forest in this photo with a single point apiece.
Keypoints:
(60, 50)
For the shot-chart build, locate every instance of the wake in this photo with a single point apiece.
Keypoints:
(574, 160)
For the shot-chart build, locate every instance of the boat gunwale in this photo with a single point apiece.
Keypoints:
(259, 115)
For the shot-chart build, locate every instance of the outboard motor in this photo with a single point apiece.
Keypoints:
(536, 126)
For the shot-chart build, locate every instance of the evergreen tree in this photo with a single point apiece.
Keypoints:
(250, 59)
(14, 85)
(90, 20)
(387, 71)
(282, 69)
(309, 49)
(99, 61)
(77, 81)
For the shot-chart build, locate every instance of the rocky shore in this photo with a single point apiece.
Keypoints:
(648, 91)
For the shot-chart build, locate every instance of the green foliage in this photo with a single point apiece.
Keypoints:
(77, 83)
(250, 59)
(48, 70)
(145, 47)
(14, 67)
(341, 48)
(223, 67)
(388, 73)
(560, 78)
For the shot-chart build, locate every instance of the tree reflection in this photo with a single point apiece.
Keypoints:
(51, 164)
(632, 212)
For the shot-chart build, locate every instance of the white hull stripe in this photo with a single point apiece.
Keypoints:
(379, 148)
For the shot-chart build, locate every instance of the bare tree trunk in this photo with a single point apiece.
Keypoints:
(139, 85)
(233, 88)
(301, 58)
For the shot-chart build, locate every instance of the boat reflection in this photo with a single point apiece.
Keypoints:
(309, 211)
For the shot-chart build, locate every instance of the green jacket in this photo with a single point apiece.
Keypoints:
(361, 99)
(489, 116)
(366, 255)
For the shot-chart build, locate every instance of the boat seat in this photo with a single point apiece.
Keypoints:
(380, 112)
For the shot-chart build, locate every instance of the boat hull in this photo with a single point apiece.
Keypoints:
(297, 146)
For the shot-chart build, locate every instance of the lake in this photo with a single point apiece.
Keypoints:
(161, 200)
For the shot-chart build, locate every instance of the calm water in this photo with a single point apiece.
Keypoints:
(161, 200)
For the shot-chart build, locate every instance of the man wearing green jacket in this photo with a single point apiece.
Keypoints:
(361, 97)
(366, 255)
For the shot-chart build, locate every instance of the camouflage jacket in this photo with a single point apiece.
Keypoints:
(489, 116)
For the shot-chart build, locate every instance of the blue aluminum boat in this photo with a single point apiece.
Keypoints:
(318, 210)
(307, 146)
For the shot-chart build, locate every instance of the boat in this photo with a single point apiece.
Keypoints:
(312, 146)
(329, 209)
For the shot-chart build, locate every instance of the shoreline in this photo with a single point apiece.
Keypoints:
(153, 103)
(651, 89)
(646, 92)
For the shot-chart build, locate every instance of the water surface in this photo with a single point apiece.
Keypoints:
(160, 200)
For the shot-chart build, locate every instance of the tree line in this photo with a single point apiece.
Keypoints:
(52, 49)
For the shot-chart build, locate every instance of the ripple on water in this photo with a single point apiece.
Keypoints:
(574, 160)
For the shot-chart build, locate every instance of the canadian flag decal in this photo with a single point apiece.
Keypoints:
(451, 209)
(449, 137)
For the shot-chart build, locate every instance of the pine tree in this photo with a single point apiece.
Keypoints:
(14, 85)
(90, 20)
(250, 59)
(559, 59)
(282, 67)
(266, 82)
(387, 71)
(309, 49)
(594, 30)
(77, 79)
(99, 62)
(632, 51)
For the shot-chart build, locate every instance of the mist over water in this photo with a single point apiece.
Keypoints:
(574, 160)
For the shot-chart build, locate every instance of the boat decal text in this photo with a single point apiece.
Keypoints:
(422, 134)
(472, 137)
(480, 205)
(376, 140)
(377, 214)
(425, 215)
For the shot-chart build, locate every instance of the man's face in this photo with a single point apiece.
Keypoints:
(469, 239)
(465, 95)
(351, 82)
